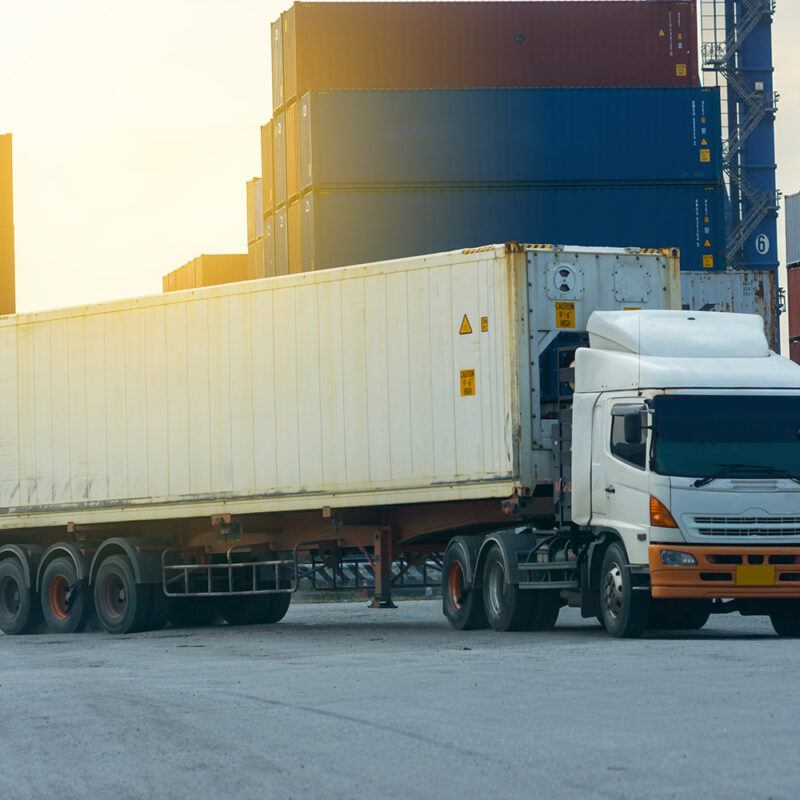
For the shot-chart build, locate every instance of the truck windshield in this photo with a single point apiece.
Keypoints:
(753, 436)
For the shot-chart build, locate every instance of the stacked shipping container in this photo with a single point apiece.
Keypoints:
(207, 270)
(792, 210)
(366, 175)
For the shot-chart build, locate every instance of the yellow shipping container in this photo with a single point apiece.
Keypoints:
(208, 270)
(8, 299)
(255, 214)
(295, 238)
(267, 180)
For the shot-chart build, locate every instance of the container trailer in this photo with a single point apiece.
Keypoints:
(182, 455)
(482, 44)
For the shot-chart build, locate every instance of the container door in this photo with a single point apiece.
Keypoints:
(276, 44)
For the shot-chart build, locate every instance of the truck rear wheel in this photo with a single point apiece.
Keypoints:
(245, 610)
(19, 611)
(65, 600)
(786, 620)
(122, 605)
(278, 606)
(508, 608)
(462, 604)
(193, 612)
(624, 609)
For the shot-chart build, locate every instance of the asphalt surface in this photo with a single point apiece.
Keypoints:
(339, 701)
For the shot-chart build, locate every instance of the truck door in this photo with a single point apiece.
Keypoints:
(626, 490)
(599, 458)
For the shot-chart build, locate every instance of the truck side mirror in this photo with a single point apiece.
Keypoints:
(633, 428)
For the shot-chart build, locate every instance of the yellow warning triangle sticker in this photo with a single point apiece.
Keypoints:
(704, 142)
(661, 33)
(465, 326)
(708, 244)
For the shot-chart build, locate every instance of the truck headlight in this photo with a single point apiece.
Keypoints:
(675, 558)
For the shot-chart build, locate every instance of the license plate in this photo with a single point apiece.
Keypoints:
(755, 575)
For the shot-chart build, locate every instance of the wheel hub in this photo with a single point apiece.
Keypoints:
(455, 583)
(496, 585)
(115, 598)
(60, 596)
(10, 596)
(612, 591)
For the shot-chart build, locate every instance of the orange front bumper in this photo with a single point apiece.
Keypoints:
(716, 572)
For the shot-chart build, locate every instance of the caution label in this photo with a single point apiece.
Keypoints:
(705, 155)
(680, 70)
(484, 324)
(465, 326)
(565, 315)
(707, 244)
(708, 262)
(661, 32)
(467, 382)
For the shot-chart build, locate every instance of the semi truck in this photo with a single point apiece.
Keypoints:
(541, 421)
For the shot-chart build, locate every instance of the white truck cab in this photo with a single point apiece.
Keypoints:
(685, 448)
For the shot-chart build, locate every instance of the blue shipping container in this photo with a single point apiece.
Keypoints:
(472, 137)
(342, 227)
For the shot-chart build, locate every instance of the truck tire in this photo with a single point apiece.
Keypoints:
(279, 605)
(786, 620)
(508, 608)
(462, 605)
(664, 616)
(122, 605)
(545, 607)
(160, 608)
(19, 609)
(624, 610)
(245, 610)
(66, 602)
(193, 612)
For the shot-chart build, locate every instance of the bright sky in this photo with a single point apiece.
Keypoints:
(136, 126)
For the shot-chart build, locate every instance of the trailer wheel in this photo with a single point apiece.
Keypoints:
(193, 612)
(246, 610)
(122, 605)
(160, 608)
(462, 605)
(508, 608)
(278, 606)
(66, 603)
(786, 620)
(19, 611)
(624, 610)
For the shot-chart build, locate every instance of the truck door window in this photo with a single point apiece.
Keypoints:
(633, 453)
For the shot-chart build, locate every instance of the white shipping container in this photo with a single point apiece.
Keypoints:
(791, 204)
(741, 291)
(407, 381)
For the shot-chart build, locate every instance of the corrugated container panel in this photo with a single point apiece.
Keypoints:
(269, 246)
(357, 226)
(295, 235)
(281, 241)
(290, 53)
(214, 269)
(740, 291)
(793, 281)
(251, 210)
(252, 267)
(512, 136)
(791, 207)
(276, 48)
(492, 44)
(259, 208)
(267, 176)
(794, 351)
(292, 152)
(279, 157)
(281, 395)
(166, 283)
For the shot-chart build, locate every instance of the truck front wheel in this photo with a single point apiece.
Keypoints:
(624, 609)
(786, 619)
(462, 604)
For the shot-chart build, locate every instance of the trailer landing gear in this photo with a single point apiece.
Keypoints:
(382, 565)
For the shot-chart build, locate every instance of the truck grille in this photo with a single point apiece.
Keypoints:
(746, 526)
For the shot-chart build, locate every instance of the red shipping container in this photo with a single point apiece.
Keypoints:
(794, 302)
(488, 44)
(794, 351)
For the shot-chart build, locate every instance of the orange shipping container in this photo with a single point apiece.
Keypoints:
(295, 238)
(289, 55)
(276, 47)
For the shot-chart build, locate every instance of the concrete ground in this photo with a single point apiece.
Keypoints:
(338, 701)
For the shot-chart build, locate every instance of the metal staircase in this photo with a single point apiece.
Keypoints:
(726, 25)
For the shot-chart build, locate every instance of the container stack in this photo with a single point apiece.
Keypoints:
(207, 270)
(792, 210)
(407, 128)
(8, 302)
